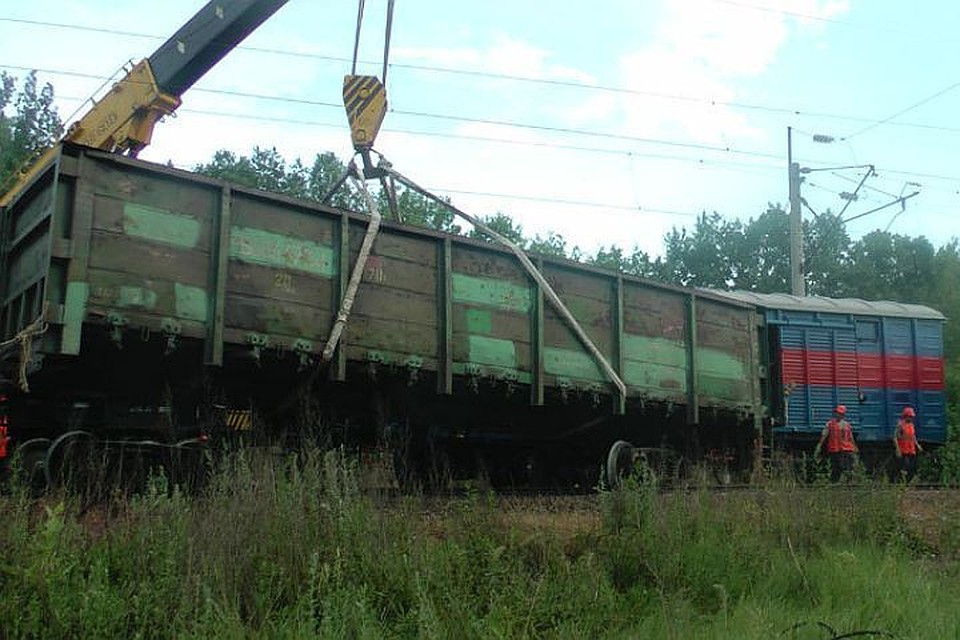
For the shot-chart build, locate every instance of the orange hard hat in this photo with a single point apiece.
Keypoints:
(841, 410)
(908, 412)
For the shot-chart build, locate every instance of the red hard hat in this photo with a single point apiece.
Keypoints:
(841, 409)
(908, 412)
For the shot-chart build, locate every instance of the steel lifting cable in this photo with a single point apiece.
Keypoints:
(346, 303)
(533, 272)
(386, 40)
(356, 39)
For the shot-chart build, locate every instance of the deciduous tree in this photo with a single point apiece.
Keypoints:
(29, 124)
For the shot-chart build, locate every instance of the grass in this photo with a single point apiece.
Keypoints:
(289, 547)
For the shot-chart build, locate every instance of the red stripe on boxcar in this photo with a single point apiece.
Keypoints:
(865, 370)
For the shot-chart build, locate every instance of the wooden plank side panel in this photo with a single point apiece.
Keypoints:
(277, 319)
(396, 339)
(150, 189)
(28, 213)
(395, 316)
(282, 218)
(27, 235)
(153, 225)
(26, 265)
(144, 243)
(154, 298)
(270, 283)
(591, 299)
(385, 319)
(570, 283)
(400, 246)
(492, 301)
(653, 312)
(149, 261)
(279, 276)
(397, 274)
(725, 349)
(654, 349)
(277, 302)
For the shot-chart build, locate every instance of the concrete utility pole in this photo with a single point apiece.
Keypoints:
(798, 286)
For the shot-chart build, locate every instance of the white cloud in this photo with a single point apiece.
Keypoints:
(700, 52)
(505, 55)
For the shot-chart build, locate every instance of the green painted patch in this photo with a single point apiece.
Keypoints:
(479, 321)
(492, 351)
(159, 225)
(671, 353)
(572, 364)
(659, 363)
(257, 246)
(724, 388)
(75, 308)
(655, 376)
(191, 302)
(655, 363)
(491, 292)
(136, 298)
(720, 364)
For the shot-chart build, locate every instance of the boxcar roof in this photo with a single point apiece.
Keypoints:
(819, 304)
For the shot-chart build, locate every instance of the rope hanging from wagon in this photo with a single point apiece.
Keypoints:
(346, 303)
(25, 341)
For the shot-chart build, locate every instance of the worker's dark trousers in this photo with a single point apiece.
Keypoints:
(907, 467)
(841, 465)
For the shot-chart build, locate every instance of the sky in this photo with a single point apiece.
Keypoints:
(608, 122)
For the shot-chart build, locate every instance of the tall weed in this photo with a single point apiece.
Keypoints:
(287, 545)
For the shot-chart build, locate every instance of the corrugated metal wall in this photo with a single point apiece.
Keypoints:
(874, 365)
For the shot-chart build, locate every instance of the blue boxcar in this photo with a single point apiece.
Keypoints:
(874, 357)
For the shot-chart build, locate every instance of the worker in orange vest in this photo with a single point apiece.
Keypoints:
(840, 444)
(906, 445)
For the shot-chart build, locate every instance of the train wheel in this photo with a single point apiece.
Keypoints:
(29, 461)
(620, 463)
(71, 461)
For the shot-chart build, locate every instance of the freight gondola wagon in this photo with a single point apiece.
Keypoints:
(151, 306)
